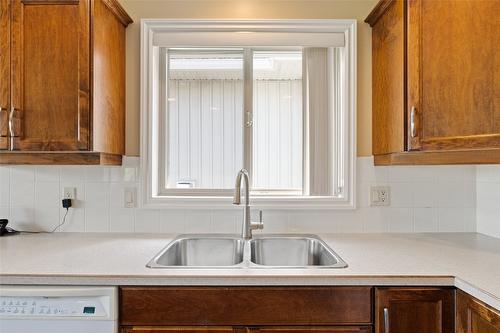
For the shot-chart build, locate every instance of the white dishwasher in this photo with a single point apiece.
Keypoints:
(57, 309)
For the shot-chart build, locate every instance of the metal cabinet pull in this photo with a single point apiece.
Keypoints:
(12, 127)
(386, 320)
(11, 122)
(413, 127)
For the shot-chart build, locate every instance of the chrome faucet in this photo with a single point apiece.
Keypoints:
(248, 226)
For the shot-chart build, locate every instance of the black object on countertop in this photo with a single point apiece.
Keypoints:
(4, 230)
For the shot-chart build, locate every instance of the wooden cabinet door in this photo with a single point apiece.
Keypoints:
(414, 310)
(453, 74)
(50, 75)
(181, 329)
(474, 316)
(4, 73)
(311, 329)
(388, 75)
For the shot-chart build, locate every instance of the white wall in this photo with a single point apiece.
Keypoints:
(430, 199)
(488, 200)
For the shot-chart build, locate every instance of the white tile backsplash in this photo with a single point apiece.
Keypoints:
(423, 199)
(426, 219)
(488, 200)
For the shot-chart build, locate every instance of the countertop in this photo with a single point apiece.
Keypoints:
(469, 261)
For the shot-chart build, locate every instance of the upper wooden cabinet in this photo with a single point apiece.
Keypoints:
(436, 97)
(4, 72)
(62, 81)
(473, 316)
(410, 310)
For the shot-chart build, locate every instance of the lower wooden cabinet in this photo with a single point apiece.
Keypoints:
(311, 329)
(210, 329)
(181, 329)
(414, 310)
(292, 309)
(473, 316)
(246, 306)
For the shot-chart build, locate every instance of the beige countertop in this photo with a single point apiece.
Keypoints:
(468, 261)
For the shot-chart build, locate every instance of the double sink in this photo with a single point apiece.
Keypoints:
(232, 251)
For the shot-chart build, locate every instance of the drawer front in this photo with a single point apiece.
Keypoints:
(181, 329)
(245, 305)
(270, 329)
(312, 329)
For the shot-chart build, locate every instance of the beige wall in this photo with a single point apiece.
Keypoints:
(255, 9)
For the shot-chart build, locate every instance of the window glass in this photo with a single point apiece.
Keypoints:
(277, 121)
(204, 146)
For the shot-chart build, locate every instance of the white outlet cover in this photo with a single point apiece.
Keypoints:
(380, 196)
(69, 193)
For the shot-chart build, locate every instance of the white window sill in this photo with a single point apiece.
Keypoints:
(261, 202)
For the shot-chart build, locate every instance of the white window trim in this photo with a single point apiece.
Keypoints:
(149, 107)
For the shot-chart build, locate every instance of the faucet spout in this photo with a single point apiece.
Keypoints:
(247, 226)
(242, 175)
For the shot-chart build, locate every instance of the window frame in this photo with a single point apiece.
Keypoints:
(152, 131)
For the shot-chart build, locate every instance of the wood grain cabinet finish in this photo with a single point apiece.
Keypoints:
(473, 316)
(414, 310)
(312, 329)
(181, 329)
(67, 83)
(436, 97)
(4, 72)
(245, 306)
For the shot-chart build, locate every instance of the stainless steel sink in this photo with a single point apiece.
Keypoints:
(201, 251)
(231, 251)
(293, 251)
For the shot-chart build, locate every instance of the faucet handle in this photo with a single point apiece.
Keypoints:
(258, 225)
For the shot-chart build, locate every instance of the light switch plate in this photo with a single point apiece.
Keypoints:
(130, 197)
(380, 196)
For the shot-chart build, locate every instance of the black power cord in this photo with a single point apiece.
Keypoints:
(66, 203)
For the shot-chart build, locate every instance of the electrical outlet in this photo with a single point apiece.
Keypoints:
(69, 193)
(380, 196)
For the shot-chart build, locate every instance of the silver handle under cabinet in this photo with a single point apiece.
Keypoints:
(386, 320)
(413, 127)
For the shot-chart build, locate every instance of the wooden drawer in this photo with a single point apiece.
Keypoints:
(312, 329)
(245, 305)
(270, 329)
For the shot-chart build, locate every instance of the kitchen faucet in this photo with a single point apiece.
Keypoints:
(248, 225)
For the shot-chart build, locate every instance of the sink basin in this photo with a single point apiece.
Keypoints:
(200, 251)
(293, 251)
(232, 251)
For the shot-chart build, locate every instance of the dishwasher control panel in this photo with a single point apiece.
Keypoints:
(51, 306)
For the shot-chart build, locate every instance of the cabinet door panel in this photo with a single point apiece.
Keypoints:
(180, 329)
(312, 329)
(410, 310)
(388, 80)
(50, 74)
(453, 74)
(474, 316)
(4, 72)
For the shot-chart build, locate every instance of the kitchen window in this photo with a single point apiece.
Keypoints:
(274, 97)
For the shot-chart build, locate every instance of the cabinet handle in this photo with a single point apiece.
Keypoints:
(11, 121)
(12, 132)
(413, 127)
(386, 320)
